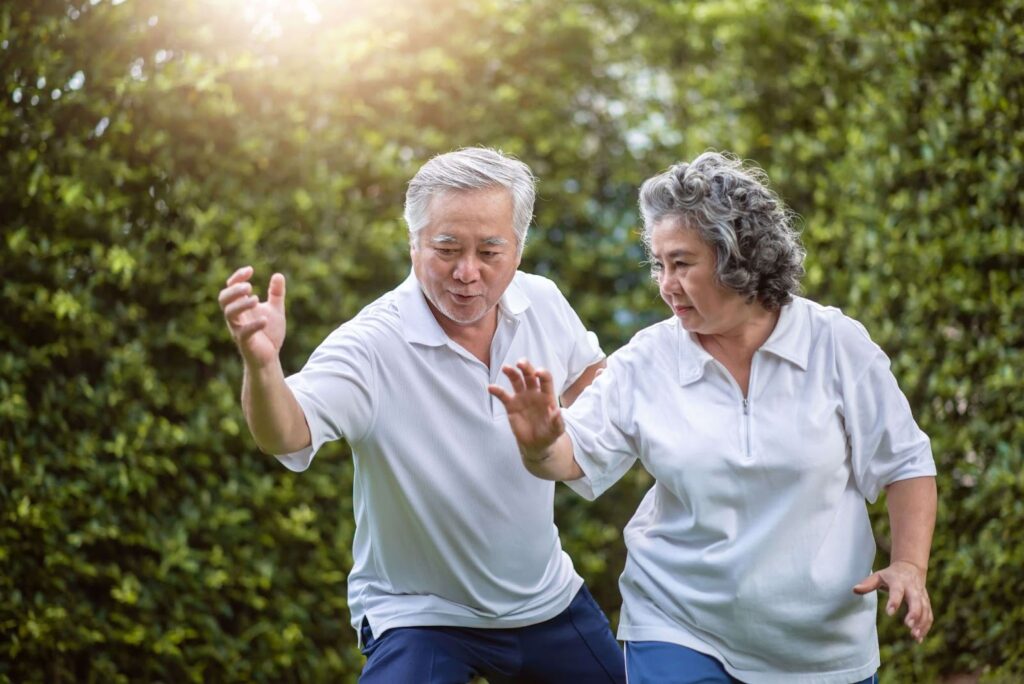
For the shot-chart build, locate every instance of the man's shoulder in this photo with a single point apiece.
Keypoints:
(537, 286)
(377, 323)
(546, 309)
(541, 295)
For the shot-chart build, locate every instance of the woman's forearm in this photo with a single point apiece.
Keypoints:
(912, 504)
(556, 462)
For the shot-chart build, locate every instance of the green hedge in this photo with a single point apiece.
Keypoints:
(148, 148)
(896, 131)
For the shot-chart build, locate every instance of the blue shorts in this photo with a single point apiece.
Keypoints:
(657, 662)
(575, 646)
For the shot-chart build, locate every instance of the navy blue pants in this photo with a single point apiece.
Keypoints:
(657, 662)
(575, 646)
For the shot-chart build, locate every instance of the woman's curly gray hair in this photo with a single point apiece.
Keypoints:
(757, 248)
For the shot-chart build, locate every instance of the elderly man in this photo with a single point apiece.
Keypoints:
(458, 570)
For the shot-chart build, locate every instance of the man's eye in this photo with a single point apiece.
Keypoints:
(656, 267)
(487, 254)
(444, 251)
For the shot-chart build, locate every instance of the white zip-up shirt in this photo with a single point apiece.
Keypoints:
(749, 544)
(450, 528)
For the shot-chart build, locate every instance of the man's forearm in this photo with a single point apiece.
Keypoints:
(274, 416)
(570, 395)
(554, 463)
(912, 504)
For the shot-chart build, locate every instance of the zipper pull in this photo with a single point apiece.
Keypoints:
(746, 407)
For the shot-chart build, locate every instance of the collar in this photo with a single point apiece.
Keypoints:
(789, 341)
(693, 358)
(418, 323)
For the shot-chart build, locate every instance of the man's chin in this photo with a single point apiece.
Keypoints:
(458, 316)
(462, 318)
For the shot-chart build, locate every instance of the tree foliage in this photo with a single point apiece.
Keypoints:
(895, 130)
(150, 147)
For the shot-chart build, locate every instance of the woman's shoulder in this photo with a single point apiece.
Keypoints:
(830, 324)
(659, 333)
(648, 343)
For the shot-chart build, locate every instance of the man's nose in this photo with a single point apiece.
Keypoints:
(467, 269)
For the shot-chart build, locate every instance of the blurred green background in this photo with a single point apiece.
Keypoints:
(149, 147)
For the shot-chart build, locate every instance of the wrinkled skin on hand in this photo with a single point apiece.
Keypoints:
(905, 582)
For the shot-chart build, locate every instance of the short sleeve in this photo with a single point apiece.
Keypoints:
(886, 444)
(336, 390)
(603, 449)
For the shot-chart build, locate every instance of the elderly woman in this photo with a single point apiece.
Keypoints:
(766, 420)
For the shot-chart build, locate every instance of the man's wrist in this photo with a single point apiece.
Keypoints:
(271, 367)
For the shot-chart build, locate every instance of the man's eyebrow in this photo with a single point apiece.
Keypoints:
(443, 238)
(495, 241)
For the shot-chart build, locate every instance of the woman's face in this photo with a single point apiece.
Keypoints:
(684, 266)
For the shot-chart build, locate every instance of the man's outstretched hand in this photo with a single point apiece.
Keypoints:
(258, 328)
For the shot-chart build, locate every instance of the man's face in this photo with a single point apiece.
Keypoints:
(466, 255)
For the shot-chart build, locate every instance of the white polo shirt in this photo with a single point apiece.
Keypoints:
(748, 546)
(450, 528)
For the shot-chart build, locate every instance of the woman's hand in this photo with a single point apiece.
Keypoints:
(533, 412)
(905, 582)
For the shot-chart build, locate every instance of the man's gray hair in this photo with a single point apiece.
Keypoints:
(471, 168)
(757, 248)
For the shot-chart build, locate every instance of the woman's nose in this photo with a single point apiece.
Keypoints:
(669, 285)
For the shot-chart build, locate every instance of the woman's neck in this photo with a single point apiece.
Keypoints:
(746, 337)
(735, 348)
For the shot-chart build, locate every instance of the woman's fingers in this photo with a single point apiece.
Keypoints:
(515, 378)
(547, 384)
(502, 396)
(529, 374)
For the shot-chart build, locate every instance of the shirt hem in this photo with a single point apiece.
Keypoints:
(683, 638)
(436, 618)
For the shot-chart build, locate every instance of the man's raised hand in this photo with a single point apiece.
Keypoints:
(258, 328)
